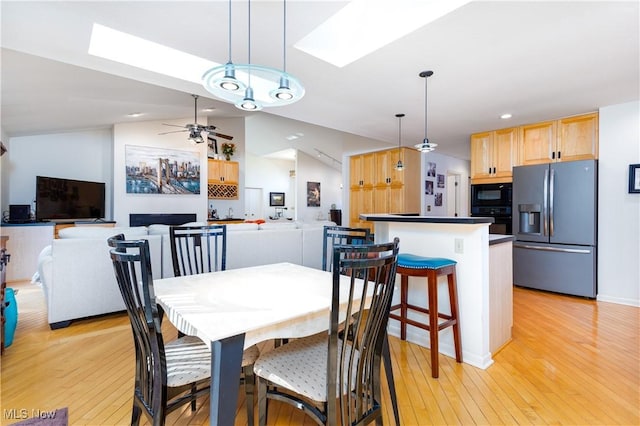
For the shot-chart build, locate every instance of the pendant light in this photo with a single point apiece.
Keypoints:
(425, 146)
(237, 83)
(283, 92)
(228, 82)
(248, 103)
(399, 165)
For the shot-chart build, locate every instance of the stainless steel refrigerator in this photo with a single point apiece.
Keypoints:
(555, 227)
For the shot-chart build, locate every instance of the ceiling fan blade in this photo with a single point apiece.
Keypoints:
(173, 131)
(173, 125)
(220, 135)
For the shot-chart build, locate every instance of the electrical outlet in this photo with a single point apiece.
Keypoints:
(458, 245)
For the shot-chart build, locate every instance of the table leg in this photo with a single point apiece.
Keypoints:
(226, 360)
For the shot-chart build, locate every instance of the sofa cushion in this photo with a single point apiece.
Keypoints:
(242, 227)
(279, 225)
(102, 232)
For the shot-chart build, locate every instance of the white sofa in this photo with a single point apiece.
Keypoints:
(77, 276)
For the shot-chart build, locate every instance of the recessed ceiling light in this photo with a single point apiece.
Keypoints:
(209, 109)
(291, 137)
(135, 114)
(505, 116)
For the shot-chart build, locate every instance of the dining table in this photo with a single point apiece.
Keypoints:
(234, 309)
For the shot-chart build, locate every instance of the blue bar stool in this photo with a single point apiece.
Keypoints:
(410, 265)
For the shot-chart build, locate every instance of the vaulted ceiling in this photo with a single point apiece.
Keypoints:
(535, 60)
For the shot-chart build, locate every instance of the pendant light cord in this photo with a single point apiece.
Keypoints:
(425, 107)
(249, 47)
(284, 36)
(229, 31)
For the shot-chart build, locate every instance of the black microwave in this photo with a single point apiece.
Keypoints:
(491, 197)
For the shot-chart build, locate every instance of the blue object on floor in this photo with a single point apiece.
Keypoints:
(11, 316)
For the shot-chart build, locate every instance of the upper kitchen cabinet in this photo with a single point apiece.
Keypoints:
(222, 179)
(578, 138)
(390, 190)
(492, 155)
(567, 139)
(219, 171)
(361, 180)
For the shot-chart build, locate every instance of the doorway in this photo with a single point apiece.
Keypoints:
(253, 203)
(453, 194)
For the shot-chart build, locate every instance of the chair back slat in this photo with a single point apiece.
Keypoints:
(360, 271)
(341, 235)
(198, 249)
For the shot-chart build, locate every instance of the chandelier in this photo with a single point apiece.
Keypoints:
(425, 146)
(251, 87)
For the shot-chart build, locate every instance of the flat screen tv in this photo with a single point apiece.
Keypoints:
(64, 199)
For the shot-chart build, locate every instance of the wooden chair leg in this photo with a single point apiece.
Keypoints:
(249, 386)
(386, 358)
(404, 289)
(453, 301)
(432, 284)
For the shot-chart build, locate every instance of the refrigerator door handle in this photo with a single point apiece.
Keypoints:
(545, 199)
(551, 186)
(544, 248)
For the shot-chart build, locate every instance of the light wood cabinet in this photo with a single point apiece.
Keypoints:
(219, 171)
(493, 155)
(361, 179)
(377, 187)
(222, 179)
(578, 138)
(567, 139)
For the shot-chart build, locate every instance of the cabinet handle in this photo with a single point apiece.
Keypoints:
(489, 170)
(559, 155)
(553, 155)
(494, 170)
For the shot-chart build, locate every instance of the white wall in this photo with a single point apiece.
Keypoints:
(618, 211)
(444, 165)
(272, 175)
(308, 169)
(146, 134)
(81, 155)
(4, 174)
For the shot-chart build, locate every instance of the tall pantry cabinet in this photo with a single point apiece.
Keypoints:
(377, 187)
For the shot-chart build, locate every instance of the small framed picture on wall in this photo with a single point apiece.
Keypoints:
(313, 194)
(634, 178)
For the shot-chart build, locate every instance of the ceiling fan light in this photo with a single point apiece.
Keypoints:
(399, 166)
(195, 136)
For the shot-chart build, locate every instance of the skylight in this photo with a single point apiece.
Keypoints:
(364, 26)
(135, 51)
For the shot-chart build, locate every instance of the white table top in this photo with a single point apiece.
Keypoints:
(264, 302)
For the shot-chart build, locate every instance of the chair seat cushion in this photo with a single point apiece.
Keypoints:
(189, 360)
(300, 366)
(412, 261)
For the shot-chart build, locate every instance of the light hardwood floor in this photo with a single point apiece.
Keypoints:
(571, 362)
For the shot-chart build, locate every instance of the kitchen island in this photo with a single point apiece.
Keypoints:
(484, 287)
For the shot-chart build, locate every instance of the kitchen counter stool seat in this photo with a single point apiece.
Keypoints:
(410, 265)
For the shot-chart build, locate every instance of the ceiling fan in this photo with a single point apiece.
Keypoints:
(195, 130)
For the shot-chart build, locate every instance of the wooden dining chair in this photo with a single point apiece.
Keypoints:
(170, 374)
(341, 235)
(332, 379)
(200, 249)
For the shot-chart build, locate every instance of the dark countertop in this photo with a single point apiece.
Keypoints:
(499, 238)
(425, 219)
